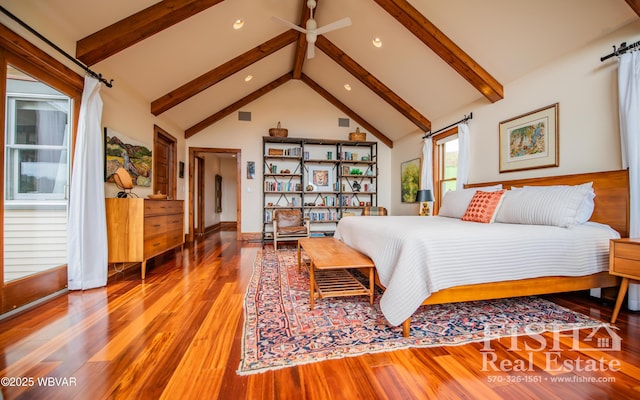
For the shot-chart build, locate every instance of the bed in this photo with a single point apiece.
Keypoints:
(433, 260)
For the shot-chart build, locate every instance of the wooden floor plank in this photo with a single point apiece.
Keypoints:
(208, 355)
(178, 334)
(473, 384)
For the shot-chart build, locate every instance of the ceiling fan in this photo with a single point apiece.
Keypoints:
(312, 31)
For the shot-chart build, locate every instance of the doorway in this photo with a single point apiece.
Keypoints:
(165, 152)
(197, 187)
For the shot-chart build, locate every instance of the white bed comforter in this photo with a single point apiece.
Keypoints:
(417, 256)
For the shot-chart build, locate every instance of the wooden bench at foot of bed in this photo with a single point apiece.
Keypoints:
(328, 275)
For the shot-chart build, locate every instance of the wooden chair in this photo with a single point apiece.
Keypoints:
(374, 211)
(288, 225)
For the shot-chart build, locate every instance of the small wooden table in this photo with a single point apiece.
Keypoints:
(327, 271)
(624, 261)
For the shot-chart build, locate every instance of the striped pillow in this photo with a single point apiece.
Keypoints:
(483, 206)
(561, 206)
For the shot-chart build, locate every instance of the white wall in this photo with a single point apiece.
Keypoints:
(228, 171)
(305, 114)
(589, 132)
(129, 114)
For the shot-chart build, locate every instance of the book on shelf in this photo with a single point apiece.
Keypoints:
(285, 152)
(318, 216)
(281, 186)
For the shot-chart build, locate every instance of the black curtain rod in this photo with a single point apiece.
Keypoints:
(96, 75)
(620, 50)
(463, 120)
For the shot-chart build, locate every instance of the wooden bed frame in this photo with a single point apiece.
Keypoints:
(611, 208)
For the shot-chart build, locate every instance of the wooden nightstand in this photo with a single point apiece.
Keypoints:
(624, 261)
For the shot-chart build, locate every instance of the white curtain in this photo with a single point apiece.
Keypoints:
(629, 103)
(426, 175)
(87, 237)
(464, 156)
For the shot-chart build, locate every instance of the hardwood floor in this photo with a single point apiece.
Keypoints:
(178, 335)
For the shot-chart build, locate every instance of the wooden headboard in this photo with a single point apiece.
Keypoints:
(611, 188)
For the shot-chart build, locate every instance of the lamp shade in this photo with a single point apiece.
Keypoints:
(424, 195)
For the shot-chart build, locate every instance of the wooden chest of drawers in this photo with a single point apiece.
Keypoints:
(140, 229)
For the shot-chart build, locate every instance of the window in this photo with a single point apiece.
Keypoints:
(445, 163)
(40, 105)
(37, 140)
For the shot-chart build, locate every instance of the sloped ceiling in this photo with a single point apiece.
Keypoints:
(411, 80)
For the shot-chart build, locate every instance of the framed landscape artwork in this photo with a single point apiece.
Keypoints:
(122, 151)
(530, 140)
(410, 180)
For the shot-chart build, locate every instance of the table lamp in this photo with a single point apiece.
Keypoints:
(424, 197)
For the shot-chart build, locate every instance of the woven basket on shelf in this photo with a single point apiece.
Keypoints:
(357, 136)
(278, 132)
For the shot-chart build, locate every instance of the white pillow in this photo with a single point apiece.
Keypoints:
(562, 206)
(586, 208)
(456, 202)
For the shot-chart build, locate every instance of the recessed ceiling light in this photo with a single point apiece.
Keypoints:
(377, 42)
(248, 78)
(347, 87)
(239, 23)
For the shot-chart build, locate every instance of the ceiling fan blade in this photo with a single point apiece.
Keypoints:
(311, 50)
(288, 24)
(341, 23)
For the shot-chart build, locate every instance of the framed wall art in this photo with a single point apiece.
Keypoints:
(218, 194)
(531, 140)
(321, 178)
(251, 169)
(410, 180)
(122, 151)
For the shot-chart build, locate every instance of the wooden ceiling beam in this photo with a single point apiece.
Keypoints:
(300, 56)
(225, 70)
(236, 106)
(635, 5)
(137, 27)
(444, 47)
(342, 107)
(373, 83)
(301, 46)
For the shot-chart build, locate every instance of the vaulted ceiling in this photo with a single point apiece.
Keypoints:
(186, 59)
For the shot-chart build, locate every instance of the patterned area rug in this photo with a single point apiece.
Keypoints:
(280, 330)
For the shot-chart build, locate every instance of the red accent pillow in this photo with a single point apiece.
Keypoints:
(483, 206)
